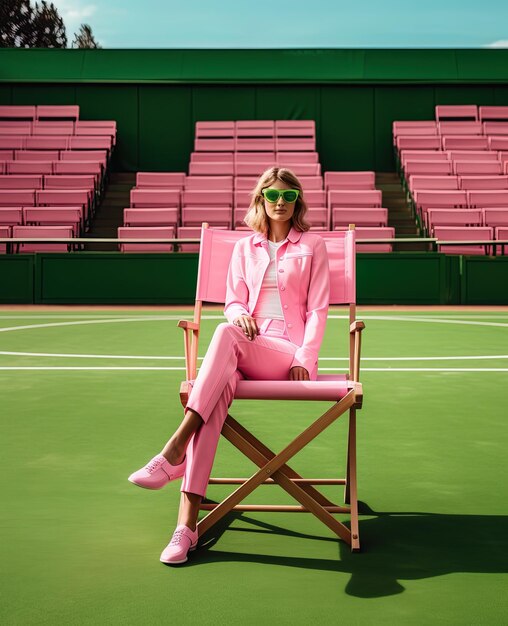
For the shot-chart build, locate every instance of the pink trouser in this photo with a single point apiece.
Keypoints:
(231, 357)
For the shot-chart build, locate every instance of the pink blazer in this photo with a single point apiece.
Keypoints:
(303, 278)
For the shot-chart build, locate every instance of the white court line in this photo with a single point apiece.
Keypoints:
(181, 358)
(328, 369)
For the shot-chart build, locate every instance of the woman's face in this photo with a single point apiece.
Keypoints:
(279, 211)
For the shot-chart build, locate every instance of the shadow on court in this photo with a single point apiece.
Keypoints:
(396, 546)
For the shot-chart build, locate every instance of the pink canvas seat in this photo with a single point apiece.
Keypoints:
(462, 112)
(251, 144)
(433, 182)
(453, 217)
(316, 198)
(460, 128)
(156, 232)
(208, 183)
(417, 142)
(17, 197)
(465, 142)
(155, 198)
(160, 180)
(495, 217)
(252, 168)
(465, 235)
(47, 143)
(290, 158)
(5, 231)
(29, 167)
(490, 198)
(215, 216)
(483, 182)
(349, 180)
(303, 170)
(498, 142)
(191, 232)
(21, 181)
(49, 232)
(14, 142)
(214, 144)
(150, 217)
(477, 168)
(496, 113)
(495, 128)
(428, 168)
(501, 232)
(58, 112)
(212, 157)
(55, 216)
(310, 183)
(212, 198)
(11, 216)
(359, 216)
(372, 232)
(354, 197)
(18, 112)
(343, 390)
(214, 168)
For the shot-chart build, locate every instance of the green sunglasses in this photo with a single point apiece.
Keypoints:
(272, 195)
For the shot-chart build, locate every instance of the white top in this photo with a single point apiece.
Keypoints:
(268, 304)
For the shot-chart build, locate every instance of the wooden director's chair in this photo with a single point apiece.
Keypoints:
(344, 390)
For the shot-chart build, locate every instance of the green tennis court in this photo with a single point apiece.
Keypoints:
(90, 395)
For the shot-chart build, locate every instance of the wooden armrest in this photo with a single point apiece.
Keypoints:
(356, 326)
(187, 325)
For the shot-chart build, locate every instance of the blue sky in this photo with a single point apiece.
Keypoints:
(290, 24)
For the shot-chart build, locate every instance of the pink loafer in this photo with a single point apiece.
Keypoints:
(157, 473)
(183, 541)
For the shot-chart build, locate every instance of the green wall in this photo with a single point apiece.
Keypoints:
(156, 96)
(115, 278)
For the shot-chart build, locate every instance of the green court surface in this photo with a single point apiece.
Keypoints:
(89, 396)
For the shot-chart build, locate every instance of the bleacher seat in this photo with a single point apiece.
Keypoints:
(465, 235)
(215, 168)
(11, 216)
(495, 128)
(495, 216)
(356, 197)
(155, 198)
(460, 128)
(382, 232)
(477, 168)
(483, 182)
(359, 216)
(158, 232)
(428, 168)
(21, 181)
(461, 112)
(208, 183)
(5, 231)
(495, 113)
(29, 167)
(14, 197)
(150, 217)
(160, 180)
(501, 232)
(433, 182)
(349, 180)
(453, 217)
(42, 231)
(18, 112)
(57, 112)
(55, 216)
(465, 142)
(490, 198)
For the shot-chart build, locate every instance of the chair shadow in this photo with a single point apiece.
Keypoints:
(396, 546)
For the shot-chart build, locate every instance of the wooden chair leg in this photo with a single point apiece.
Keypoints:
(274, 464)
(352, 484)
(347, 489)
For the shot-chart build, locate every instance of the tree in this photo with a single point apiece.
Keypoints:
(16, 24)
(84, 38)
(49, 29)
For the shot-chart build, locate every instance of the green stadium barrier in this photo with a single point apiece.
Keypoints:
(17, 279)
(484, 280)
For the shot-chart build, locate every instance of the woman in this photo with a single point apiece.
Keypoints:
(276, 306)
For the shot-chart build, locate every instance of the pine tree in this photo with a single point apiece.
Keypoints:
(84, 38)
(16, 24)
(49, 29)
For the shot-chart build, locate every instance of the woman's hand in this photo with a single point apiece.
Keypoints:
(298, 373)
(248, 325)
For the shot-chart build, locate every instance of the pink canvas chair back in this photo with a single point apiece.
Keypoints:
(217, 248)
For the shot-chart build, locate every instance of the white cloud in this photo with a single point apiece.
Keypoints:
(502, 43)
(74, 13)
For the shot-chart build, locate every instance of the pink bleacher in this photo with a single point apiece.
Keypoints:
(495, 216)
(215, 168)
(366, 232)
(303, 169)
(160, 180)
(11, 216)
(69, 181)
(414, 131)
(483, 182)
(287, 159)
(357, 197)
(417, 183)
(54, 216)
(98, 142)
(155, 198)
(498, 142)
(5, 231)
(414, 142)
(472, 155)
(310, 183)
(316, 198)
(319, 217)
(150, 217)
(18, 112)
(295, 135)
(214, 215)
(36, 155)
(159, 232)
(245, 183)
(64, 197)
(478, 168)
(242, 198)
(349, 180)
(214, 144)
(465, 142)
(42, 231)
(10, 198)
(29, 167)
(460, 128)
(46, 129)
(189, 232)
(456, 112)
(252, 168)
(453, 217)
(215, 129)
(254, 157)
(247, 144)
(12, 143)
(495, 113)
(501, 232)
(21, 181)
(57, 111)
(464, 234)
(490, 198)
(359, 216)
(495, 128)
(47, 143)
(211, 157)
(205, 183)
(429, 156)
(427, 168)
(197, 198)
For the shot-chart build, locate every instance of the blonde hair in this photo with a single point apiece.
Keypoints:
(256, 216)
